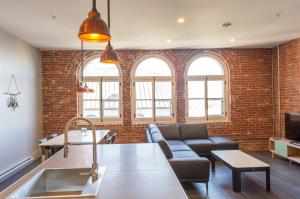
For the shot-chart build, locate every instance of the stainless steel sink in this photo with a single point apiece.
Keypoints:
(60, 183)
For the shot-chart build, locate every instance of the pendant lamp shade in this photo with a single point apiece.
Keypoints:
(94, 29)
(82, 88)
(109, 56)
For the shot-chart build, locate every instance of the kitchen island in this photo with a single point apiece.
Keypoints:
(132, 171)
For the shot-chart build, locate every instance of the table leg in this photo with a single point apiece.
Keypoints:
(236, 180)
(43, 153)
(213, 163)
(268, 181)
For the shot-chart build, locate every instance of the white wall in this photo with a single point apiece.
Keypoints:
(19, 129)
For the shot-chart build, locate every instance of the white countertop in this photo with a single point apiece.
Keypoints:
(132, 171)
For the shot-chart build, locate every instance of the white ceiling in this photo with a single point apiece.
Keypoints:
(148, 24)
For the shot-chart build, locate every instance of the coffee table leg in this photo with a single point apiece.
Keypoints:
(268, 181)
(213, 163)
(236, 180)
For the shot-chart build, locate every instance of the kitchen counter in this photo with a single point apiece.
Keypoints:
(132, 171)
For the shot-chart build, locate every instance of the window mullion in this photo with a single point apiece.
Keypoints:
(206, 99)
(153, 99)
(101, 100)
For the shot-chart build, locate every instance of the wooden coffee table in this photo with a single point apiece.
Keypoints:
(239, 162)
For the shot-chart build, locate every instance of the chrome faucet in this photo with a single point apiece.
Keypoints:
(94, 171)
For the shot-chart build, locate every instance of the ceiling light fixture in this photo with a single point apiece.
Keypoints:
(226, 25)
(94, 29)
(180, 20)
(232, 40)
(81, 86)
(109, 56)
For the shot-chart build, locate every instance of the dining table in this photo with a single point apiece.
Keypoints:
(75, 137)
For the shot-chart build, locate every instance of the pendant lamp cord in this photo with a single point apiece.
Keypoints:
(94, 5)
(81, 60)
(108, 16)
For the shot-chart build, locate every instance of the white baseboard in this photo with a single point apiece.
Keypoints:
(6, 173)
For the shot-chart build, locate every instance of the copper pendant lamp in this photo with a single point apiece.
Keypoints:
(81, 86)
(109, 56)
(94, 29)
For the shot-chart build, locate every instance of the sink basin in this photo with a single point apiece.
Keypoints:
(60, 183)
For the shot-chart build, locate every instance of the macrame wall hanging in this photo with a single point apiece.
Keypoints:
(13, 91)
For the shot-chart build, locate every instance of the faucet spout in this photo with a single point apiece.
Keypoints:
(94, 171)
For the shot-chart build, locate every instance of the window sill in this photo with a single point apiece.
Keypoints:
(141, 121)
(105, 122)
(211, 120)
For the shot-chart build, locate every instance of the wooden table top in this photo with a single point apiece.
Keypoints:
(76, 137)
(239, 159)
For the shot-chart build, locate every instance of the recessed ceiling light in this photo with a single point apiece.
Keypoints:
(278, 14)
(169, 41)
(53, 17)
(226, 25)
(232, 40)
(180, 20)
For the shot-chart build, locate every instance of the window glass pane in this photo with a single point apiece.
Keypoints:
(153, 67)
(143, 106)
(196, 89)
(110, 97)
(91, 114)
(205, 66)
(95, 87)
(163, 99)
(91, 101)
(95, 68)
(215, 107)
(215, 89)
(196, 108)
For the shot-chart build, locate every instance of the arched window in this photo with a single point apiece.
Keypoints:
(206, 88)
(104, 104)
(153, 90)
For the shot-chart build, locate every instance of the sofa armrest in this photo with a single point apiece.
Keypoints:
(148, 136)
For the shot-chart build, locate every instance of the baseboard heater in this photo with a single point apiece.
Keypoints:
(14, 169)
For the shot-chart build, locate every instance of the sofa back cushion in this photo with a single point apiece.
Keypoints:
(170, 132)
(157, 137)
(193, 131)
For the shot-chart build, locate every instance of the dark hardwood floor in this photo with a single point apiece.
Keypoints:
(285, 182)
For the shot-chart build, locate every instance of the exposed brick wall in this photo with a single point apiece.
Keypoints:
(250, 88)
(289, 81)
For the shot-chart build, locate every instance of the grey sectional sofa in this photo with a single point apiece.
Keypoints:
(187, 147)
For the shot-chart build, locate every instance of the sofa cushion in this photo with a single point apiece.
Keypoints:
(175, 142)
(179, 147)
(223, 143)
(185, 155)
(170, 132)
(193, 131)
(200, 146)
